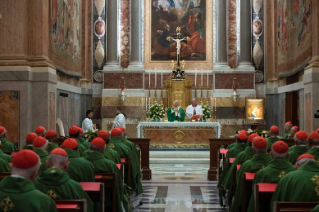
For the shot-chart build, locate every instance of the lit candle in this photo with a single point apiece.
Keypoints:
(149, 78)
(162, 79)
(155, 77)
(207, 79)
(195, 76)
(201, 80)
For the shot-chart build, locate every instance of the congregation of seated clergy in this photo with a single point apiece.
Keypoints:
(46, 171)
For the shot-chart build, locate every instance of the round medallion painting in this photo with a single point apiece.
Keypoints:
(99, 28)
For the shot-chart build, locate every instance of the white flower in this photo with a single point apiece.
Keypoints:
(85, 131)
(264, 132)
(85, 135)
(266, 135)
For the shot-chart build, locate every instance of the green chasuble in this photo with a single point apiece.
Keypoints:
(43, 154)
(257, 162)
(5, 157)
(228, 182)
(314, 151)
(231, 145)
(28, 146)
(101, 164)
(232, 153)
(296, 152)
(286, 134)
(172, 117)
(7, 147)
(21, 194)
(52, 146)
(132, 147)
(57, 184)
(4, 166)
(292, 147)
(275, 170)
(112, 155)
(79, 169)
(315, 209)
(125, 152)
(84, 142)
(271, 141)
(298, 186)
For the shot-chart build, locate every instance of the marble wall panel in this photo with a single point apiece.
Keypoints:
(10, 113)
(225, 81)
(52, 110)
(230, 130)
(232, 36)
(129, 111)
(132, 80)
(129, 101)
(272, 113)
(230, 112)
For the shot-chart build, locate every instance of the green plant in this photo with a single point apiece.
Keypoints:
(156, 112)
(90, 135)
(206, 112)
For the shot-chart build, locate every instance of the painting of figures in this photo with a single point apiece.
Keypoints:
(255, 109)
(166, 16)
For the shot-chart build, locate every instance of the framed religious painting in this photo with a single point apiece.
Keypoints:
(181, 27)
(255, 110)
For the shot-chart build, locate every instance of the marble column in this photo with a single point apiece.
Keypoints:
(221, 61)
(245, 34)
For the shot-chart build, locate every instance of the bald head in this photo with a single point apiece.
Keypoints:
(176, 103)
(194, 101)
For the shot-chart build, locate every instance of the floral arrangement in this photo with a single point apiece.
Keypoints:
(156, 112)
(206, 112)
(262, 133)
(89, 135)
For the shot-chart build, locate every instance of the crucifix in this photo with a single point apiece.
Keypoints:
(178, 74)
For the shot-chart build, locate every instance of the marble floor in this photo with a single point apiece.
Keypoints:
(180, 192)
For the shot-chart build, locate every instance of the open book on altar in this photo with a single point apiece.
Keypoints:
(196, 117)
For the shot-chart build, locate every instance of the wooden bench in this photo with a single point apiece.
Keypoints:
(71, 205)
(95, 190)
(221, 157)
(294, 206)
(109, 181)
(4, 174)
(263, 193)
(127, 171)
(247, 182)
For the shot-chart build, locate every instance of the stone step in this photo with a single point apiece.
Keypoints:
(179, 160)
(179, 169)
(179, 154)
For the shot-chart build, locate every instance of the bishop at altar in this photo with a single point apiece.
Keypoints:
(175, 113)
(194, 109)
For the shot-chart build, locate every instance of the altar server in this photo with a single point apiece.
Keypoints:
(87, 123)
(119, 120)
(194, 109)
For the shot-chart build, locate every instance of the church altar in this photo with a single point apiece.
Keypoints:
(179, 133)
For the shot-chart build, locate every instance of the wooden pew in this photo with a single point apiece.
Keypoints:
(294, 206)
(71, 205)
(221, 157)
(144, 145)
(95, 190)
(263, 193)
(109, 181)
(127, 171)
(247, 186)
(4, 174)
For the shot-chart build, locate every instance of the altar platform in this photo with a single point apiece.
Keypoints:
(179, 134)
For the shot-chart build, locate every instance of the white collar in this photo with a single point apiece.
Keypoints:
(17, 176)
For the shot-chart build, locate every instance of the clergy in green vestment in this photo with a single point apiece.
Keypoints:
(125, 152)
(228, 182)
(56, 183)
(273, 133)
(301, 146)
(40, 131)
(175, 113)
(82, 140)
(40, 146)
(233, 144)
(74, 133)
(95, 155)
(259, 161)
(293, 132)
(288, 127)
(29, 141)
(276, 169)
(79, 169)
(313, 143)
(17, 192)
(130, 144)
(109, 153)
(240, 146)
(300, 185)
(4, 156)
(7, 147)
(4, 166)
(52, 137)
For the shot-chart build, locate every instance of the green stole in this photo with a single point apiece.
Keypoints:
(275, 170)
(57, 184)
(44, 155)
(171, 115)
(79, 169)
(24, 196)
(256, 163)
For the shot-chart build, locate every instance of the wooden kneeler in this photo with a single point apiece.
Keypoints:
(95, 190)
(71, 205)
(109, 181)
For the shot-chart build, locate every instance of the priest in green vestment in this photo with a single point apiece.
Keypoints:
(4, 156)
(125, 152)
(273, 133)
(74, 133)
(259, 161)
(233, 144)
(40, 146)
(232, 153)
(40, 131)
(300, 148)
(79, 169)
(293, 132)
(109, 153)
(96, 156)
(4, 166)
(228, 182)
(52, 137)
(276, 169)
(313, 143)
(288, 127)
(29, 141)
(56, 183)
(300, 185)
(7, 147)
(130, 144)
(17, 192)
(82, 140)
(175, 113)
